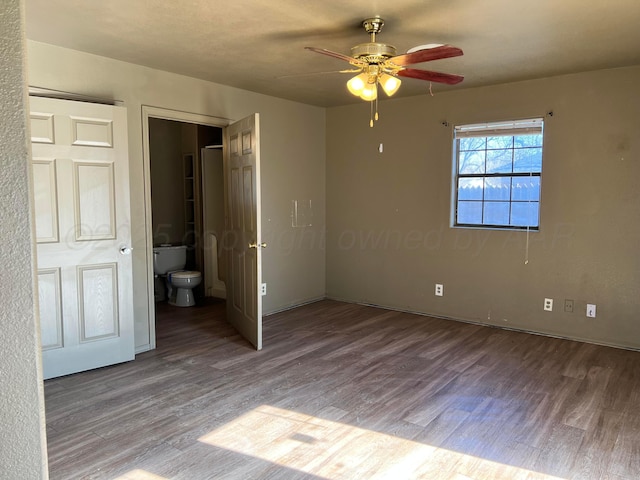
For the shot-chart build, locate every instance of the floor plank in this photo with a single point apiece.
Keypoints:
(343, 391)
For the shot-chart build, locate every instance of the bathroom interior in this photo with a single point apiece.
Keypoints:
(187, 201)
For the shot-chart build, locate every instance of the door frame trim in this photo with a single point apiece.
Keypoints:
(148, 112)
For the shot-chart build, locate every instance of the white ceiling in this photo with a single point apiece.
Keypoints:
(253, 44)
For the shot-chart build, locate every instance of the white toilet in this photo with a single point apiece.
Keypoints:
(169, 261)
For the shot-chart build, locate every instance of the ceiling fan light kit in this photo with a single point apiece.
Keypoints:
(365, 84)
(377, 64)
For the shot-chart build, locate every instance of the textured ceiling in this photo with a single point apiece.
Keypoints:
(259, 45)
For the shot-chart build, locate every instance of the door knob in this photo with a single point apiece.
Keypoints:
(258, 245)
(126, 250)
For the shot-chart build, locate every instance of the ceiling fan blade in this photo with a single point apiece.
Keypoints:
(426, 55)
(448, 78)
(340, 56)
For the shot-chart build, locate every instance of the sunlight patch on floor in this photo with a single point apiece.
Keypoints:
(138, 474)
(334, 450)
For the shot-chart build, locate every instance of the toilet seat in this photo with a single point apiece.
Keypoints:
(185, 274)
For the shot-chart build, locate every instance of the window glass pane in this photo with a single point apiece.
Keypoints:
(499, 161)
(526, 189)
(470, 188)
(524, 214)
(527, 141)
(497, 188)
(527, 160)
(471, 162)
(470, 212)
(499, 142)
(496, 213)
(473, 143)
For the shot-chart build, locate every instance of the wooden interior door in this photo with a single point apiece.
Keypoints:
(242, 238)
(83, 233)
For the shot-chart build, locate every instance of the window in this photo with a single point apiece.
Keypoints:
(497, 174)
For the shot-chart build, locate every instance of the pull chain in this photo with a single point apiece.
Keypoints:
(371, 115)
(374, 110)
(376, 116)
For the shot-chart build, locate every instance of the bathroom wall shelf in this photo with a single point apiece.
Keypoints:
(188, 165)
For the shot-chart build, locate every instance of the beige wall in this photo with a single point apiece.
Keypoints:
(22, 436)
(388, 213)
(167, 184)
(292, 156)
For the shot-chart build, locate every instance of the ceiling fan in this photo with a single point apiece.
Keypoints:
(377, 64)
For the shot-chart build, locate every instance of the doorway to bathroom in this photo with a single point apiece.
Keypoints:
(186, 201)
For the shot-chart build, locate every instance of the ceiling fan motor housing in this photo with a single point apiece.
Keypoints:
(373, 52)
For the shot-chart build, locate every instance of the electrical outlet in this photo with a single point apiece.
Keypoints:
(548, 304)
(263, 289)
(591, 310)
(439, 290)
(568, 305)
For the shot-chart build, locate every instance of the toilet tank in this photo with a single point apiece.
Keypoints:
(167, 258)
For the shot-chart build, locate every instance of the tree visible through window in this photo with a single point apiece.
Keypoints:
(497, 174)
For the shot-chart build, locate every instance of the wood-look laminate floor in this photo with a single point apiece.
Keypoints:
(344, 391)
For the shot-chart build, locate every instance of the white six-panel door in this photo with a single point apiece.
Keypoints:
(81, 204)
(243, 236)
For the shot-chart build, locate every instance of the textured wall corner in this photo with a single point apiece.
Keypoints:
(21, 397)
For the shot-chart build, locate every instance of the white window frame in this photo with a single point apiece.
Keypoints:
(495, 129)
